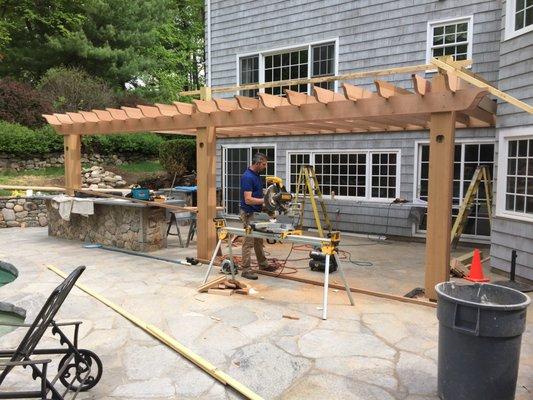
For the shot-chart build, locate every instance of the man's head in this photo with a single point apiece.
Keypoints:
(259, 162)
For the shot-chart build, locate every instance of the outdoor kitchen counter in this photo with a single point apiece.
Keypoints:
(118, 223)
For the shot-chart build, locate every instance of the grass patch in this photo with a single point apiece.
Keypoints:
(141, 167)
(23, 176)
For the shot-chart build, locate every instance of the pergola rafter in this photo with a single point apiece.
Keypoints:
(440, 105)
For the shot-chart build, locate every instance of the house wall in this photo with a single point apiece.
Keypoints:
(516, 78)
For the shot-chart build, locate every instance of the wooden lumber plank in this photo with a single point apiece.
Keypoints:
(72, 153)
(355, 93)
(483, 85)
(206, 195)
(184, 108)
(227, 104)
(133, 112)
(326, 96)
(343, 77)
(387, 90)
(117, 114)
(440, 193)
(149, 111)
(64, 119)
(90, 116)
(168, 110)
(212, 283)
(421, 85)
(103, 115)
(248, 103)
(52, 120)
(271, 101)
(76, 117)
(298, 98)
(205, 106)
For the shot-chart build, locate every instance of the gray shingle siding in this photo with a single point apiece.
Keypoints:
(375, 34)
(516, 78)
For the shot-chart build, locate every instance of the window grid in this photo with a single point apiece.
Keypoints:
(284, 66)
(383, 178)
(467, 157)
(347, 174)
(249, 73)
(324, 63)
(523, 15)
(312, 61)
(450, 39)
(519, 179)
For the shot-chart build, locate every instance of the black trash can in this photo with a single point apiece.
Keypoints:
(480, 332)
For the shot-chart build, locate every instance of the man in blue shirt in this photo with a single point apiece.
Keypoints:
(252, 202)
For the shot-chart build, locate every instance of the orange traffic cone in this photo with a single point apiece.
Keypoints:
(476, 270)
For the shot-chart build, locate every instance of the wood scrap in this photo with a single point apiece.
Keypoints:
(242, 291)
(223, 292)
(212, 283)
(290, 317)
(460, 266)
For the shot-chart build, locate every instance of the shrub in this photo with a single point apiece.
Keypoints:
(19, 140)
(21, 104)
(178, 155)
(138, 143)
(71, 89)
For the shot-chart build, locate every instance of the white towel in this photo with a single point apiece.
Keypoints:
(67, 205)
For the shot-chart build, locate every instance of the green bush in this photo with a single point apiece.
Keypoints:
(18, 140)
(135, 143)
(178, 155)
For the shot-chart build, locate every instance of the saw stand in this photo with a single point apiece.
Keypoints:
(329, 247)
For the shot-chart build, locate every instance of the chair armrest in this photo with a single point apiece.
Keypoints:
(28, 325)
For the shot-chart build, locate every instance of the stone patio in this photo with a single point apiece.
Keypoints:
(378, 349)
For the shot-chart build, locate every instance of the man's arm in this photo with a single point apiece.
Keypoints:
(252, 201)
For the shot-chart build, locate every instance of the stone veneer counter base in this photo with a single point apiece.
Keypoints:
(124, 225)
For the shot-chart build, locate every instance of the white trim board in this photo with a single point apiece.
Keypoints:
(510, 32)
(503, 146)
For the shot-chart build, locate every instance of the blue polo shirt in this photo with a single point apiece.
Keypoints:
(251, 182)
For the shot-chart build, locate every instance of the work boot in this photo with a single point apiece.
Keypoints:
(249, 274)
(267, 268)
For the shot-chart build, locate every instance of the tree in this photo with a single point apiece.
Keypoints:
(21, 104)
(70, 89)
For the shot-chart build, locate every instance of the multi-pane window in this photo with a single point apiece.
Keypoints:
(450, 39)
(467, 157)
(324, 63)
(523, 14)
(235, 161)
(297, 160)
(249, 73)
(349, 174)
(315, 60)
(285, 66)
(384, 175)
(519, 179)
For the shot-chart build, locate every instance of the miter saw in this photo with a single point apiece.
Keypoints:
(277, 201)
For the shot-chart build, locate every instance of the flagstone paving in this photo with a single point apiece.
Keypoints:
(378, 349)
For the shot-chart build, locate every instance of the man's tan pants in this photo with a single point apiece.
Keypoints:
(249, 243)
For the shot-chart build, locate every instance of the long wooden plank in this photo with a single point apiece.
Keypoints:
(341, 287)
(72, 147)
(167, 340)
(441, 156)
(349, 76)
(483, 85)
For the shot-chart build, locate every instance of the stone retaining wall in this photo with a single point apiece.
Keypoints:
(22, 212)
(10, 162)
(123, 226)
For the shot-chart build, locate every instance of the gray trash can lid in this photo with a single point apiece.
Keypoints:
(483, 295)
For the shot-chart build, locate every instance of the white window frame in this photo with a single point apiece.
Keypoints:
(368, 177)
(470, 37)
(501, 183)
(510, 32)
(279, 50)
(417, 171)
(224, 147)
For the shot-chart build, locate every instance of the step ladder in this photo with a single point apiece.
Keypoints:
(481, 174)
(307, 186)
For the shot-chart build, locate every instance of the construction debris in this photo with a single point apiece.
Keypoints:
(224, 286)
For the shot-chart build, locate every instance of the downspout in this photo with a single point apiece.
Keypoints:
(208, 40)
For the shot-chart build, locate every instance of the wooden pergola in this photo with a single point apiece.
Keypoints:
(440, 106)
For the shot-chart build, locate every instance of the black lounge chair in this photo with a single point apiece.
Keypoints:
(79, 369)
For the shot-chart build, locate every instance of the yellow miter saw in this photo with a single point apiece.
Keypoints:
(277, 200)
(276, 196)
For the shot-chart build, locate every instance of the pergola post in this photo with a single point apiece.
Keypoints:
(206, 195)
(440, 191)
(72, 151)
